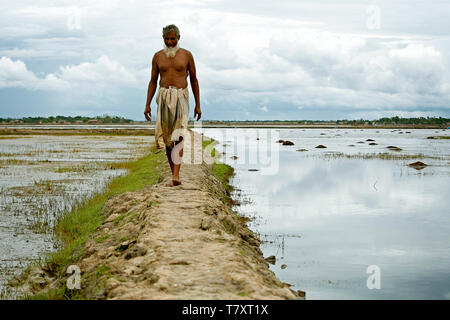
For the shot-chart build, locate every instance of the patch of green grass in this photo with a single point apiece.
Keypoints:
(223, 172)
(101, 271)
(132, 216)
(102, 238)
(205, 143)
(122, 239)
(61, 293)
(118, 219)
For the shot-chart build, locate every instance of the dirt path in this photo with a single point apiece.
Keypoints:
(190, 246)
(180, 242)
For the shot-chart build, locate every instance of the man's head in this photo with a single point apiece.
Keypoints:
(171, 35)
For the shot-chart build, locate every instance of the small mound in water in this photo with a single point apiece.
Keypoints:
(360, 142)
(373, 144)
(418, 165)
(394, 148)
(234, 157)
(320, 146)
(370, 140)
(288, 143)
(439, 137)
(280, 141)
(271, 259)
(253, 170)
(301, 150)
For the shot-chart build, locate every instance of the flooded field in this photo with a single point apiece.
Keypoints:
(342, 210)
(44, 176)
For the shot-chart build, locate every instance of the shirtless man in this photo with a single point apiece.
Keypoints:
(173, 64)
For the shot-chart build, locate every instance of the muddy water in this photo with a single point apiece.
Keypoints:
(339, 224)
(42, 177)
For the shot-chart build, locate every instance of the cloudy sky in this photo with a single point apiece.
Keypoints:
(264, 59)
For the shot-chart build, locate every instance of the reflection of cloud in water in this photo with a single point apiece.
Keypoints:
(352, 213)
(312, 187)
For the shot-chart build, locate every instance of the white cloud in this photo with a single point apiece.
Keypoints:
(102, 73)
(14, 74)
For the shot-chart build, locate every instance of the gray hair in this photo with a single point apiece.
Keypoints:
(171, 28)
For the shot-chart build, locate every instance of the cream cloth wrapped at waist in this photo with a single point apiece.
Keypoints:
(173, 114)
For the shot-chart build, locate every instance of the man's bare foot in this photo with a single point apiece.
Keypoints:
(173, 183)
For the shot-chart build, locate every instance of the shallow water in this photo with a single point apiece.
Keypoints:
(327, 218)
(43, 177)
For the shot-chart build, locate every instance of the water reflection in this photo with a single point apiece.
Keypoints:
(350, 213)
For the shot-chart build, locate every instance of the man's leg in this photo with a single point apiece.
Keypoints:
(176, 167)
(169, 158)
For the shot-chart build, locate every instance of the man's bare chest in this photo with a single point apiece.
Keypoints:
(177, 64)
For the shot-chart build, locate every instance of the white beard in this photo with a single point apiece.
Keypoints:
(171, 51)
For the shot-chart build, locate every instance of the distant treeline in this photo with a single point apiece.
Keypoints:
(64, 119)
(421, 120)
(382, 121)
(114, 119)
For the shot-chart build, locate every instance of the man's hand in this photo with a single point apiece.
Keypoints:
(148, 113)
(197, 112)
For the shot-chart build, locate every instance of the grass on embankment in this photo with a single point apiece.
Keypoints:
(222, 171)
(75, 227)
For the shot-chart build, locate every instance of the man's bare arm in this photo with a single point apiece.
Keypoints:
(151, 88)
(194, 86)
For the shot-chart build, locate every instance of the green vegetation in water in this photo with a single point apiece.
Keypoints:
(9, 138)
(74, 228)
(380, 155)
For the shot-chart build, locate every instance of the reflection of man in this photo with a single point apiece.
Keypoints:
(173, 64)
